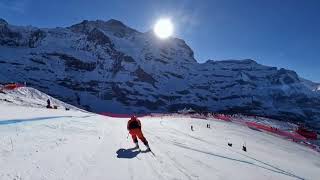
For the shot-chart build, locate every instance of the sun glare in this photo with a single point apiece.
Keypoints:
(163, 28)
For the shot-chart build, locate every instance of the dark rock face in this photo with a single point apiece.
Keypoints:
(9, 37)
(117, 28)
(99, 38)
(107, 66)
(284, 76)
(36, 37)
(83, 27)
(72, 63)
(144, 77)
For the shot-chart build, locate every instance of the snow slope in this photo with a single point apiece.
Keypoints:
(52, 144)
(28, 96)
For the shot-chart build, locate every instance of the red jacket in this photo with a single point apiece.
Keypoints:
(134, 123)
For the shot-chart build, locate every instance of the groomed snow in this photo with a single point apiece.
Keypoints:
(38, 143)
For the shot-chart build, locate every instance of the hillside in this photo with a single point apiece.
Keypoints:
(28, 96)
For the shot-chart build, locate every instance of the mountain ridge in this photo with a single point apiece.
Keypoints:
(108, 66)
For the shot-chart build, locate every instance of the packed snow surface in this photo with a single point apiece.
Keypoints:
(39, 143)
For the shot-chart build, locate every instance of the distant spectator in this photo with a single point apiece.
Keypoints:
(48, 104)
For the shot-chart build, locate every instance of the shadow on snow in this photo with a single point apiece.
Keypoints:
(14, 121)
(129, 153)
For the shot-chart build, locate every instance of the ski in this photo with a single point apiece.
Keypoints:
(152, 153)
(149, 150)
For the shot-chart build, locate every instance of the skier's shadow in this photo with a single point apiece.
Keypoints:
(127, 153)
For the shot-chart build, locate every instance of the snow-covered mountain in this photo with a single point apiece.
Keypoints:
(107, 66)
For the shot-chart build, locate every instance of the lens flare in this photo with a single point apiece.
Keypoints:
(163, 28)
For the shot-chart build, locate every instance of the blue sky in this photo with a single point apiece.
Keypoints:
(282, 33)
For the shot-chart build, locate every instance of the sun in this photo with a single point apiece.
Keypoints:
(163, 28)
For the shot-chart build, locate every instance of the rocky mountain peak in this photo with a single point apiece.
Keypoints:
(114, 22)
(285, 76)
(113, 26)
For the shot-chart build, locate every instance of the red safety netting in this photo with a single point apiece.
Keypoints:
(12, 86)
(116, 115)
(222, 117)
(277, 131)
(306, 133)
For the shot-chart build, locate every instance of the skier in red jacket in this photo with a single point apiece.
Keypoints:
(134, 128)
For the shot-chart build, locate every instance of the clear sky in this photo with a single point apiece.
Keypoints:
(282, 33)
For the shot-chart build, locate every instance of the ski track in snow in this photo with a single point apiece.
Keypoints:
(56, 144)
(269, 167)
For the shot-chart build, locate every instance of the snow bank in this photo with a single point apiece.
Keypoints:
(27, 96)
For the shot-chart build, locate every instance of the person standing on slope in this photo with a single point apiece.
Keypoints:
(134, 128)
